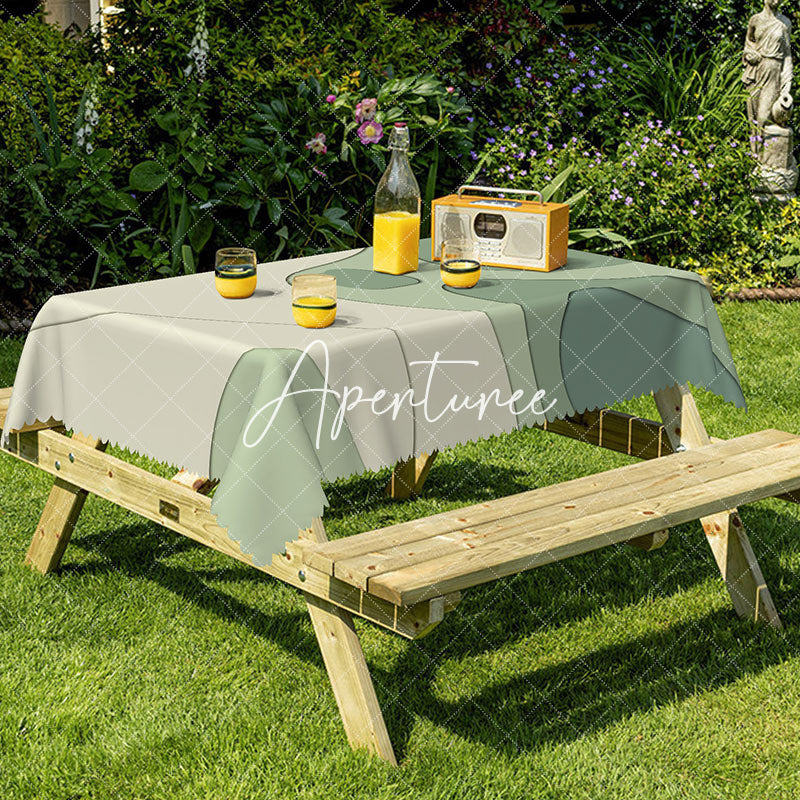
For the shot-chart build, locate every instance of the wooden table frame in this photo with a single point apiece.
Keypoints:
(80, 465)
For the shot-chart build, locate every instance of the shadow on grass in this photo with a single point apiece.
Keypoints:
(564, 701)
(464, 482)
(138, 550)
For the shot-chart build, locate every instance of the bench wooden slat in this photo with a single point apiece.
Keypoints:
(408, 534)
(412, 561)
(511, 517)
(522, 548)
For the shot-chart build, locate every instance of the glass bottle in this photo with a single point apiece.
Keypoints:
(395, 234)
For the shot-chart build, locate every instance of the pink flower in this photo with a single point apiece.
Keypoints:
(450, 89)
(331, 98)
(317, 144)
(370, 132)
(366, 109)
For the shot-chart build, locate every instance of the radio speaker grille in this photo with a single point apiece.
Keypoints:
(526, 238)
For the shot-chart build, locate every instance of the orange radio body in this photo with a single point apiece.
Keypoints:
(519, 234)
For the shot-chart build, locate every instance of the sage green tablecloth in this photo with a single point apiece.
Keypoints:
(170, 369)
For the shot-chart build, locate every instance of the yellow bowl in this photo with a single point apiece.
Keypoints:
(314, 312)
(460, 274)
(235, 283)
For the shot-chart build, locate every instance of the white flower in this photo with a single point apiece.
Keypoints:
(198, 50)
(90, 117)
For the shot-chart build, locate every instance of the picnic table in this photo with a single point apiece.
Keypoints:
(259, 413)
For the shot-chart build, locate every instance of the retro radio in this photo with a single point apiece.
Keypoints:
(521, 234)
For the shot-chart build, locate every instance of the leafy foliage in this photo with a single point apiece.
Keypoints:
(662, 195)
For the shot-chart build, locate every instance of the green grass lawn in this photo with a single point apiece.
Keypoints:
(151, 667)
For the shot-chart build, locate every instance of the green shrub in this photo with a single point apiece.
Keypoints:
(192, 159)
(325, 200)
(682, 202)
(29, 45)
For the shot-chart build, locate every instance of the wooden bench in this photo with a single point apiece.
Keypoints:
(455, 550)
(406, 577)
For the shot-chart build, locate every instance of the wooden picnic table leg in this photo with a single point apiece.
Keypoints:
(348, 671)
(409, 476)
(725, 533)
(61, 512)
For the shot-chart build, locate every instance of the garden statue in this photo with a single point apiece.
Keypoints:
(767, 75)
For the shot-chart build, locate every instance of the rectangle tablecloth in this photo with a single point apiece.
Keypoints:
(235, 390)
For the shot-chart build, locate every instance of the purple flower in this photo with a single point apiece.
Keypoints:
(490, 140)
(654, 173)
(624, 66)
(523, 172)
(580, 113)
(519, 130)
(506, 128)
(548, 85)
(470, 119)
(628, 201)
(317, 144)
(370, 132)
(366, 109)
(474, 155)
(700, 117)
(331, 98)
(502, 148)
(488, 65)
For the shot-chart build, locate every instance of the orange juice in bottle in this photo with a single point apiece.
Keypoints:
(395, 235)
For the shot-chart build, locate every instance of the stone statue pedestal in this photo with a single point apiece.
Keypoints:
(776, 174)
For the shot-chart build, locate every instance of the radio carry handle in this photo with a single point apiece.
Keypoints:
(499, 189)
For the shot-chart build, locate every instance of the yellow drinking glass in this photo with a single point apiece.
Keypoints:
(314, 300)
(235, 272)
(460, 266)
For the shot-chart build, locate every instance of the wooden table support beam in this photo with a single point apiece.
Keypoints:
(725, 533)
(61, 512)
(409, 476)
(184, 511)
(348, 672)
